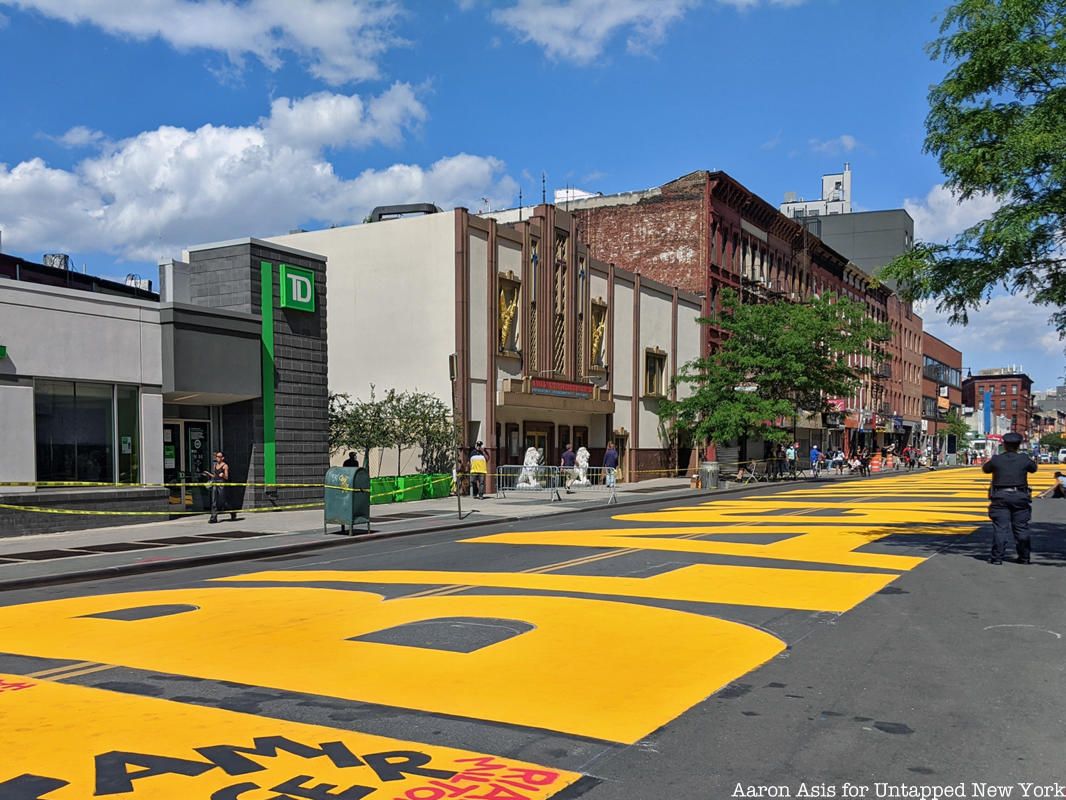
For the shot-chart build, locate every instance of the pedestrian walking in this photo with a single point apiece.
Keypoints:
(1010, 504)
(567, 463)
(479, 470)
(610, 464)
(219, 476)
(816, 460)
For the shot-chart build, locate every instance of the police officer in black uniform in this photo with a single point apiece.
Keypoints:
(1011, 505)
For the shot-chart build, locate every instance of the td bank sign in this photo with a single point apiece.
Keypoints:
(297, 288)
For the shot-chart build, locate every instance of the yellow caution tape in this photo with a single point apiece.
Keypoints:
(262, 510)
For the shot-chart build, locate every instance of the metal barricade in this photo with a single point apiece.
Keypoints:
(554, 481)
(520, 479)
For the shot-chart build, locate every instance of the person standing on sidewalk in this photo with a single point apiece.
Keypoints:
(567, 463)
(610, 464)
(790, 457)
(479, 470)
(1010, 504)
(816, 461)
(219, 475)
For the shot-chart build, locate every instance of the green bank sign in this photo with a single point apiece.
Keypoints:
(297, 288)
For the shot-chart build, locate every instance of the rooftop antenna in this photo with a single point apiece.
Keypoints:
(543, 187)
(519, 203)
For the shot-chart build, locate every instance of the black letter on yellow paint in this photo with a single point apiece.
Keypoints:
(29, 787)
(294, 787)
(227, 756)
(113, 777)
(234, 792)
(411, 764)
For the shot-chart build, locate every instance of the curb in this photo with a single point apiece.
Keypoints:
(206, 559)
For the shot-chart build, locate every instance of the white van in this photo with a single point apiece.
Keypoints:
(1062, 456)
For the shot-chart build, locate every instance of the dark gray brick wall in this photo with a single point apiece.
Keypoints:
(21, 523)
(229, 278)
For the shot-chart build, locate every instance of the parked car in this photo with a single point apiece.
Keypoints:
(1062, 456)
(1045, 458)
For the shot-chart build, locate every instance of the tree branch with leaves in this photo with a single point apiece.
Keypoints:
(997, 125)
(778, 359)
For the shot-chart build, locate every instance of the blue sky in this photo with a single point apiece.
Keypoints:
(134, 129)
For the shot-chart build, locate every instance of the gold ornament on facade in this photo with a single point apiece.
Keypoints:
(508, 316)
(598, 330)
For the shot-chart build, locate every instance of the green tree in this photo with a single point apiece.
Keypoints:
(358, 424)
(1053, 441)
(433, 431)
(778, 358)
(954, 425)
(997, 125)
(400, 420)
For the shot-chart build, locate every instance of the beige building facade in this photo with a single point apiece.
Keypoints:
(551, 345)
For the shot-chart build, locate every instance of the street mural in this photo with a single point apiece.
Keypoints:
(575, 656)
(66, 741)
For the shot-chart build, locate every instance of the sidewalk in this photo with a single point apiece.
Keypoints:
(51, 558)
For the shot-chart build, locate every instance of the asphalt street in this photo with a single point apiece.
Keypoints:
(793, 640)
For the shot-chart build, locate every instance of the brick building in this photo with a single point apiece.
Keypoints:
(1012, 396)
(941, 389)
(905, 383)
(706, 232)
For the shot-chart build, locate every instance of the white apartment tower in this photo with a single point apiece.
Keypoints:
(836, 197)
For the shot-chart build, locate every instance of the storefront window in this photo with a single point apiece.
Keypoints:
(127, 412)
(75, 432)
(56, 429)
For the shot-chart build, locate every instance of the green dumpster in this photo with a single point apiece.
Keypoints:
(409, 487)
(347, 496)
(382, 490)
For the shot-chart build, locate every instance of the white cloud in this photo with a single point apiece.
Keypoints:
(844, 143)
(80, 136)
(341, 40)
(773, 142)
(337, 120)
(940, 216)
(149, 196)
(579, 30)
(744, 5)
(1008, 329)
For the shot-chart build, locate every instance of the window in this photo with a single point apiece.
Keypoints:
(127, 414)
(1003, 389)
(1014, 388)
(1013, 405)
(1003, 404)
(654, 373)
(74, 425)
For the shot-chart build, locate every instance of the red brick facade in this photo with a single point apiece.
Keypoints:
(705, 231)
(1012, 397)
(941, 380)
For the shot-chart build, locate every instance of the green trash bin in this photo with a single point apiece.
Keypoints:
(347, 498)
(409, 487)
(382, 490)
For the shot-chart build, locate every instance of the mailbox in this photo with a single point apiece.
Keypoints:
(347, 491)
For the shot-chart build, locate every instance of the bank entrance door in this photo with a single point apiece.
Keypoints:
(186, 456)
